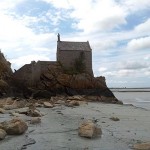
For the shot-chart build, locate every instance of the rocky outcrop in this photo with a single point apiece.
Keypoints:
(55, 80)
(5, 74)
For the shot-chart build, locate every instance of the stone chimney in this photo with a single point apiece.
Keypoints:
(58, 37)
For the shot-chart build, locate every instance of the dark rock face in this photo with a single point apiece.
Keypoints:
(58, 82)
(5, 75)
(42, 94)
(54, 81)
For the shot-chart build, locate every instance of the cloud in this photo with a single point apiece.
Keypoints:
(139, 44)
(102, 69)
(20, 61)
(134, 5)
(143, 27)
(9, 4)
(133, 65)
(18, 38)
(118, 43)
(58, 4)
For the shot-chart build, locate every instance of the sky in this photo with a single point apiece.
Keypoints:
(118, 32)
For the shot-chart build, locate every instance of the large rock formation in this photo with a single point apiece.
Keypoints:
(89, 129)
(5, 74)
(55, 80)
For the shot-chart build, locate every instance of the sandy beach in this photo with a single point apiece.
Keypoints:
(58, 129)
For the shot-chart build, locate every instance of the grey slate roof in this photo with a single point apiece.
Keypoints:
(65, 45)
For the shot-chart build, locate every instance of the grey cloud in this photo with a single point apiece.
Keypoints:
(133, 65)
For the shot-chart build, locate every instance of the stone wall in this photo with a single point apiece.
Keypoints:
(30, 74)
(67, 58)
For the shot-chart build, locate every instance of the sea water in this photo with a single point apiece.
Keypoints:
(137, 97)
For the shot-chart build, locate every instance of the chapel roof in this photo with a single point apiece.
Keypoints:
(67, 45)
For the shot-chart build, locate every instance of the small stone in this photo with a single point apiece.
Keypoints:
(2, 134)
(35, 120)
(47, 105)
(9, 107)
(2, 111)
(60, 102)
(75, 97)
(38, 105)
(16, 114)
(34, 113)
(89, 129)
(142, 146)
(73, 103)
(115, 118)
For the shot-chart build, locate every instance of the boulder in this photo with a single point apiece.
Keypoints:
(47, 105)
(142, 146)
(14, 127)
(89, 129)
(2, 134)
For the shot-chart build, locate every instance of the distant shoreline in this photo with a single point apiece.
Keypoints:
(130, 89)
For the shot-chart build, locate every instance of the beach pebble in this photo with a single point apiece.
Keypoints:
(35, 120)
(47, 105)
(142, 146)
(2, 134)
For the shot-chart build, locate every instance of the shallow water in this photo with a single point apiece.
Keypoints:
(137, 98)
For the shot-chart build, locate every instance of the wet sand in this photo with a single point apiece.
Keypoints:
(58, 128)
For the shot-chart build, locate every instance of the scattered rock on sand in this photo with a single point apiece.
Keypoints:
(75, 97)
(142, 146)
(14, 127)
(9, 101)
(35, 120)
(60, 102)
(9, 107)
(2, 134)
(115, 118)
(89, 129)
(2, 111)
(16, 114)
(73, 103)
(38, 105)
(47, 105)
(34, 113)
